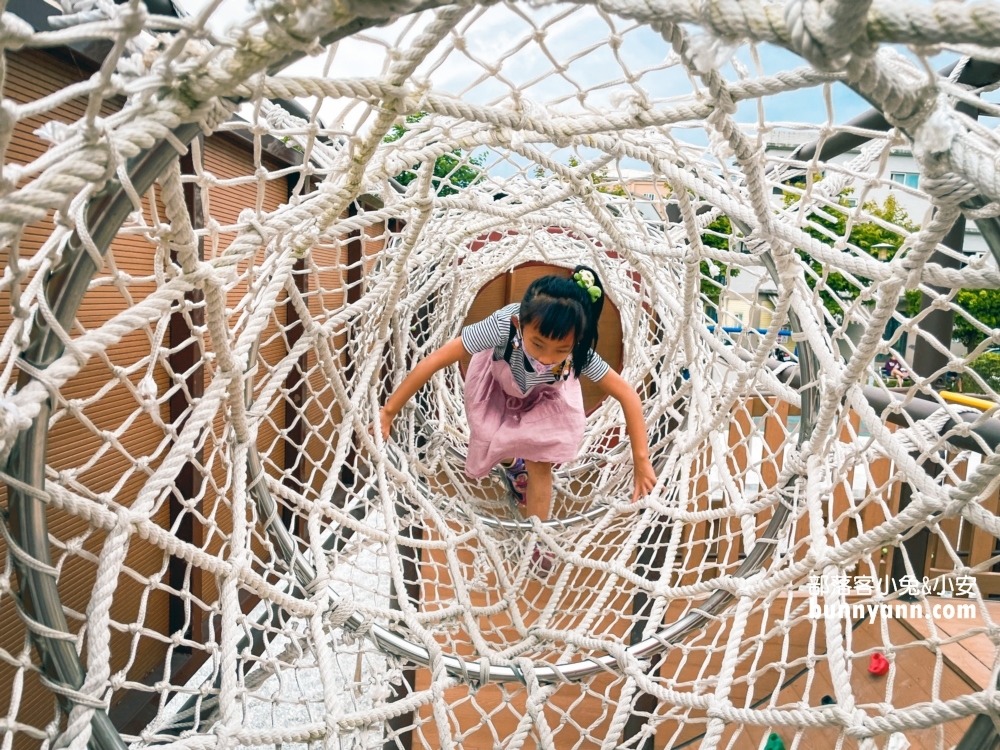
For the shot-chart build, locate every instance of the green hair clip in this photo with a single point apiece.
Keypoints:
(586, 280)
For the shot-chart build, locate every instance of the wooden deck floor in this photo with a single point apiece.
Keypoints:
(971, 657)
(580, 717)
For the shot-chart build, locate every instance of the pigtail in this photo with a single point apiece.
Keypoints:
(586, 279)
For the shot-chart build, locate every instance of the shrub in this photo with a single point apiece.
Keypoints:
(987, 366)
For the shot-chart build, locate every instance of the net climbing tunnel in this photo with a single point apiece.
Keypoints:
(227, 241)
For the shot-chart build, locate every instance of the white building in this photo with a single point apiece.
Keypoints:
(902, 179)
(749, 298)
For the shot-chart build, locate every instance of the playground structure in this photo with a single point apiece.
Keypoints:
(209, 288)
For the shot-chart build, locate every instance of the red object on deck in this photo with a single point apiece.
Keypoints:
(878, 665)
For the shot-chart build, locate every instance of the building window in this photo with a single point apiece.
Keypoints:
(649, 196)
(910, 179)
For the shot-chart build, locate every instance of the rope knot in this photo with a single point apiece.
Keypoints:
(709, 52)
(14, 32)
(124, 518)
(949, 188)
(827, 32)
(12, 422)
(339, 612)
(133, 20)
(223, 733)
(935, 133)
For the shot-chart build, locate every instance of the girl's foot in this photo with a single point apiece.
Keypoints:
(542, 562)
(517, 475)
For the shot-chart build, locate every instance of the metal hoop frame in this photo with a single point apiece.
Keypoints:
(65, 289)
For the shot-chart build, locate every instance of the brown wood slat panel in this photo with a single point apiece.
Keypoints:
(374, 243)
(843, 499)
(491, 298)
(698, 537)
(740, 429)
(937, 553)
(77, 575)
(883, 490)
(225, 160)
(30, 75)
(326, 296)
(72, 440)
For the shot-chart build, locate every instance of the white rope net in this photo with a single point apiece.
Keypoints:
(214, 535)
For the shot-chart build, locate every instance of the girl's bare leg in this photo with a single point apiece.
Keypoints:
(539, 499)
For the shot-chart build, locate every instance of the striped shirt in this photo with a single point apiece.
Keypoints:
(493, 333)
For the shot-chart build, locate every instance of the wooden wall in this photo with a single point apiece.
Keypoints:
(100, 430)
(225, 159)
(99, 438)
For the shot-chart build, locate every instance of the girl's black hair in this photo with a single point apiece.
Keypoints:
(560, 307)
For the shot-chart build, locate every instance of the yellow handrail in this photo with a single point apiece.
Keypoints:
(961, 398)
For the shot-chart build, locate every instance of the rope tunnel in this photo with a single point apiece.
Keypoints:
(232, 236)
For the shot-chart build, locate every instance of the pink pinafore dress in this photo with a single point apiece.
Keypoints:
(545, 424)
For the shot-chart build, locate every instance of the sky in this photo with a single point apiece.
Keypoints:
(526, 44)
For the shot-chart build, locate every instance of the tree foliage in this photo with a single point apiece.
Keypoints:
(831, 223)
(987, 366)
(984, 306)
(601, 179)
(713, 277)
(452, 170)
(981, 304)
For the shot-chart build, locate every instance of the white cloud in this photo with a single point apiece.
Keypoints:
(556, 57)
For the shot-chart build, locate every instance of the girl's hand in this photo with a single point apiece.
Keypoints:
(385, 423)
(645, 478)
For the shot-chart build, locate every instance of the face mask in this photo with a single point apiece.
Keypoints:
(535, 364)
(561, 371)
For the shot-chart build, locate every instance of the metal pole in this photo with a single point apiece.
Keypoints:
(914, 548)
(648, 565)
(189, 381)
(928, 360)
(981, 735)
(295, 385)
(399, 729)
(65, 287)
(976, 73)
(352, 294)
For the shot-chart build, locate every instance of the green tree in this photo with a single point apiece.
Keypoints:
(984, 306)
(452, 171)
(987, 366)
(613, 189)
(830, 224)
(716, 235)
(604, 182)
(607, 184)
(981, 304)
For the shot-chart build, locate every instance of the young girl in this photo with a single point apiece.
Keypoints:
(522, 393)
